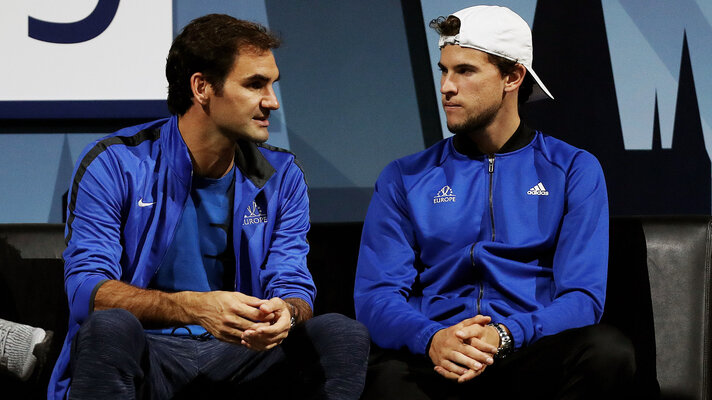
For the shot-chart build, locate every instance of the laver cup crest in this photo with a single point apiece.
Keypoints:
(254, 215)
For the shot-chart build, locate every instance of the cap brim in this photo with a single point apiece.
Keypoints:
(539, 91)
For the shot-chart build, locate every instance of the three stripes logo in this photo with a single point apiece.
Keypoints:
(445, 195)
(538, 190)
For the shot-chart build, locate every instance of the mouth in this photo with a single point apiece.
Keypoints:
(450, 106)
(262, 120)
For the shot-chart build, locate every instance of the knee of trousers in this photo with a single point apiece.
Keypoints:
(607, 354)
(116, 331)
(340, 329)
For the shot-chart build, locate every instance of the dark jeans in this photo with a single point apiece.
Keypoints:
(113, 357)
(594, 362)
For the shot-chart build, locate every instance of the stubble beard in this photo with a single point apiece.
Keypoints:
(475, 122)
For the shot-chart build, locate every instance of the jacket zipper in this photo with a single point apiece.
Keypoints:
(491, 205)
(474, 266)
(490, 170)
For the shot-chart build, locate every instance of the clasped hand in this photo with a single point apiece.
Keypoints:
(255, 323)
(463, 351)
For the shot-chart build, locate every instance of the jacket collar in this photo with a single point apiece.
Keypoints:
(175, 148)
(519, 139)
(253, 165)
(248, 158)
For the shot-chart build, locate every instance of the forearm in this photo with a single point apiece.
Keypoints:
(393, 323)
(573, 310)
(302, 310)
(153, 308)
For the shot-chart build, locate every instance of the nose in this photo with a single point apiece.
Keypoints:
(269, 101)
(447, 86)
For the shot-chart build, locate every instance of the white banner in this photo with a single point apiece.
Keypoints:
(66, 50)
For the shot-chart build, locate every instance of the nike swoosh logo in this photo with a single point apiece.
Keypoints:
(142, 204)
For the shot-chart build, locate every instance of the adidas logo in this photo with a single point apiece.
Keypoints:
(254, 215)
(538, 190)
(444, 195)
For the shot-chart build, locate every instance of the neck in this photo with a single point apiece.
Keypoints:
(211, 152)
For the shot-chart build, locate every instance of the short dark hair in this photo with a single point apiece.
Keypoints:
(506, 67)
(209, 44)
(450, 26)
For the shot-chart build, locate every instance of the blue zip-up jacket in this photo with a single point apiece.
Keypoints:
(521, 236)
(127, 194)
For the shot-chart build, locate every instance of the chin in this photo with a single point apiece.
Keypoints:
(255, 137)
(457, 129)
(261, 137)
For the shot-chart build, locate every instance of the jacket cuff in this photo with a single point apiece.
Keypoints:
(422, 339)
(83, 302)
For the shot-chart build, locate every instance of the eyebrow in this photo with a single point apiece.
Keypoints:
(458, 66)
(260, 78)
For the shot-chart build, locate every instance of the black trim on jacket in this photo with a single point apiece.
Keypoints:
(91, 155)
(519, 139)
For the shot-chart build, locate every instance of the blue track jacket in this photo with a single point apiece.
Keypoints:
(520, 236)
(128, 192)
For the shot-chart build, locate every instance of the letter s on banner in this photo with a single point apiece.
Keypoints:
(75, 32)
(85, 58)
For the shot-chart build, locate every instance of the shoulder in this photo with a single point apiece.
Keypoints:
(418, 164)
(125, 140)
(109, 158)
(583, 175)
(563, 155)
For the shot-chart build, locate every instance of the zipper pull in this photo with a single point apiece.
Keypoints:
(491, 164)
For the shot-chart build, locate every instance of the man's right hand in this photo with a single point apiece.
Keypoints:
(453, 356)
(227, 315)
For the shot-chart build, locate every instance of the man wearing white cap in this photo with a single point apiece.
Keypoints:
(483, 259)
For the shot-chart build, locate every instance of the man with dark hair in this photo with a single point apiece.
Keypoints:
(185, 266)
(483, 259)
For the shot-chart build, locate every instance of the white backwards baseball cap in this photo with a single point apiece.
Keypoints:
(499, 31)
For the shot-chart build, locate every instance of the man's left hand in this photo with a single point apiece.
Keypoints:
(278, 313)
(482, 337)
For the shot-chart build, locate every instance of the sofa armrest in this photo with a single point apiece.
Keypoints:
(679, 268)
(659, 296)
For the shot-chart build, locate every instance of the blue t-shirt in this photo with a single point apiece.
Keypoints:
(201, 248)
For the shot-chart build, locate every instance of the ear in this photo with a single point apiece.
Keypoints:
(515, 78)
(202, 89)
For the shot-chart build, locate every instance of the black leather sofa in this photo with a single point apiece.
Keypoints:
(658, 293)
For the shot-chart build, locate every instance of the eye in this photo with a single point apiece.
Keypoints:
(256, 85)
(466, 71)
